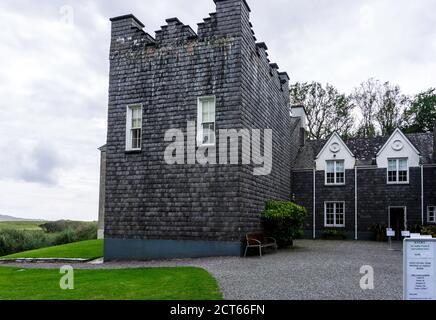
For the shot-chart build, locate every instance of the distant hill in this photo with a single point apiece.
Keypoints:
(10, 218)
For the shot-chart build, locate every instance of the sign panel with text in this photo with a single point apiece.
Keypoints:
(419, 269)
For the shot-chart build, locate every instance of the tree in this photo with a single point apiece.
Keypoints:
(381, 107)
(327, 109)
(421, 115)
(390, 107)
(365, 98)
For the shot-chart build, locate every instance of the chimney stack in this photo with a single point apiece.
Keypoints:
(298, 111)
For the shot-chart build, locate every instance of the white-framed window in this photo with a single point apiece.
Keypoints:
(335, 172)
(134, 127)
(398, 171)
(334, 214)
(206, 121)
(431, 214)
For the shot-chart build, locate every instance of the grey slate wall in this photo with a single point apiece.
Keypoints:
(302, 194)
(374, 197)
(429, 188)
(145, 197)
(335, 193)
(265, 105)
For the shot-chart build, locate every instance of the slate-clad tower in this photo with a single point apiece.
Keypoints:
(156, 210)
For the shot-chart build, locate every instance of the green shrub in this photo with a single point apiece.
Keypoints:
(429, 230)
(64, 237)
(379, 231)
(333, 234)
(284, 221)
(416, 228)
(13, 241)
(87, 232)
(62, 225)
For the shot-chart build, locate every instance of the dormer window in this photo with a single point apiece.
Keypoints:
(398, 171)
(334, 159)
(335, 172)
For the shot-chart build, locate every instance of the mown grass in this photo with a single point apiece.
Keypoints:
(90, 249)
(123, 284)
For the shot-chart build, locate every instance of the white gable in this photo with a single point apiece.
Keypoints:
(398, 146)
(335, 149)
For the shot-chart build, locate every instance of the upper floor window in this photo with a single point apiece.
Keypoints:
(134, 128)
(335, 172)
(398, 171)
(334, 214)
(431, 214)
(206, 121)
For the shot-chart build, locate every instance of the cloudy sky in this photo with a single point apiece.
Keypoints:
(54, 66)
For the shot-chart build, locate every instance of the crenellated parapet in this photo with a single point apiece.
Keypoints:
(226, 26)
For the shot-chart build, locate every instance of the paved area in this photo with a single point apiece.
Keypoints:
(312, 270)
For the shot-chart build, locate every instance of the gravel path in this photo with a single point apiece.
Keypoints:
(311, 270)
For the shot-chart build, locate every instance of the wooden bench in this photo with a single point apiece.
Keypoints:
(258, 240)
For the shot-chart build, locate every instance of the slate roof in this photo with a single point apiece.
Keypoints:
(365, 149)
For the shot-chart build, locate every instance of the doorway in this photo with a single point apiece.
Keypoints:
(398, 220)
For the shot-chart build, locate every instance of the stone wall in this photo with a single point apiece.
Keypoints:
(374, 197)
(146, 199)
(429, 188)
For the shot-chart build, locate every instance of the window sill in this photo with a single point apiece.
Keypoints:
(334, 184)
(206, 145)
(398, 183)
(333, 226)
(133, 151)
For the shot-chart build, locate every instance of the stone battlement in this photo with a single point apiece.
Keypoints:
(229, 21)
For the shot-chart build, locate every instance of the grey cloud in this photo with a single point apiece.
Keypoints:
(39, 164)
(43, 166)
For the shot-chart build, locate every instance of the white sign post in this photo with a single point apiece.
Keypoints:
(390, 233)
(419, 269)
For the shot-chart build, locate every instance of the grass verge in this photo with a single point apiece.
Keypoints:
(90, 249)
(184, 283)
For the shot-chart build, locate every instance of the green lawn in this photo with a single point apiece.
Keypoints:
(90, 249)
(21, 225)
(124, 284)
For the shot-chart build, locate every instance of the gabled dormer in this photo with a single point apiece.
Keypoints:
(335, 158)
(397, 155)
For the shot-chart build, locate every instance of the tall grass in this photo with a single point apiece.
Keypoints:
(13, 241)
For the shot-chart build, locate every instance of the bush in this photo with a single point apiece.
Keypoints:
(379, 231)
(12, 241)
(64, 237)
(284, 221)
(429, 230)
(416, 228)
(62, 225)
(56, 233)
(333, 234)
